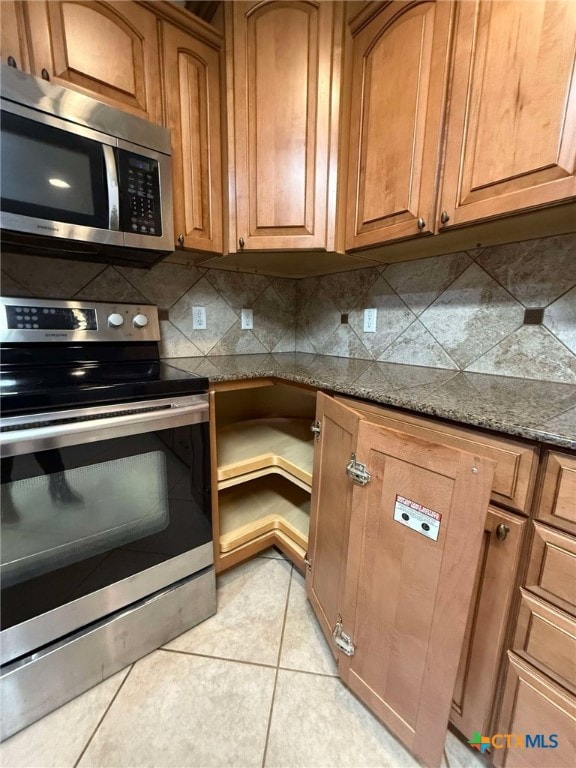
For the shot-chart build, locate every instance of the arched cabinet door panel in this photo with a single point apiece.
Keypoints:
(109, 50)
(400, 63)
(283, 102)
(511, 142)
(14, 47)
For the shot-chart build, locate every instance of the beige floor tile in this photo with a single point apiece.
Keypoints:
(59, 738)
(248, 625)
(317, 723)
(462, 756)
(273, 553)
(303, 645)
(187, 712)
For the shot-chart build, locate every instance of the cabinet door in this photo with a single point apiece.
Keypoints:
(487, 622)
(282, 130)
(404, 561)
(192, 88)
(13, 35)
(535, 705)
(330, 511)
(512, 124)
(109, 50)
(398, 84)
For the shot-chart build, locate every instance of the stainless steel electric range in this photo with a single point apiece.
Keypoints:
(106, 547)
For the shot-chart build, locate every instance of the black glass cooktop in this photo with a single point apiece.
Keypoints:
(47, 377)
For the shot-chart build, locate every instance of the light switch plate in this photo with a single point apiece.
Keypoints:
(247, 319)
(199, 318)
(370, 318)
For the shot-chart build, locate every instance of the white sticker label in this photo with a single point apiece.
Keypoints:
(418, 518)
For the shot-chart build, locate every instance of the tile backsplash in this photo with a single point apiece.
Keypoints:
(463, 311)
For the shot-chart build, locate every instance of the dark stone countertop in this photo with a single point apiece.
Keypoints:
(537, 410)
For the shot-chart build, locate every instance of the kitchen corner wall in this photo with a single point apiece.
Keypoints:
(463, 311)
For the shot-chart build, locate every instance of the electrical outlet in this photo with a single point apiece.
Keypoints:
(370, 317)
(247, 319)
(199, 318)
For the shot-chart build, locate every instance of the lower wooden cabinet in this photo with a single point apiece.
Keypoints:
(411, 518)
(534, 705)
(494, 586)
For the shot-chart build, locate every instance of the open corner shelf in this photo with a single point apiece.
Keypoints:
(261, 506)
(253, 448)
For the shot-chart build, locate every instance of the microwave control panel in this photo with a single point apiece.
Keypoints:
(139, 195)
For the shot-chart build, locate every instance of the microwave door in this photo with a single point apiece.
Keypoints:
(57, 179)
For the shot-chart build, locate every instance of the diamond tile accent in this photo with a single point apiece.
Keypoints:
(550, 260)
(238, 342)
(472, 315)
(393, 317)
(287, 343)
(417, 346)
(530, 352)
(165, 283)
(11, 287)
(219, 316)
(560, 319)
(421, 281)
(344, 343)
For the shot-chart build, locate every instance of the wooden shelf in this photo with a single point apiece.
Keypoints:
(250, 449)
(256, 508)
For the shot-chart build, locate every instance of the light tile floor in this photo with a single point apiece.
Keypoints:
(254, 685)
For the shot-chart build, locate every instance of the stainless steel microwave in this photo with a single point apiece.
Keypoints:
(80, 178)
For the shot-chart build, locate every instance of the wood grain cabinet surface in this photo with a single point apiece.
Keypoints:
(557, 505)
(192, 92)
(406, 647)
(511, 141)
(14, 45)
(106, 49)
(282, 124)
(400, 66)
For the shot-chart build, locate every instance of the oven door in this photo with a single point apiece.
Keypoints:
(100, 508)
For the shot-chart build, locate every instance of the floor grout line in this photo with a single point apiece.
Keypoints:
(218, 658)
(99, 723)
(277, 667)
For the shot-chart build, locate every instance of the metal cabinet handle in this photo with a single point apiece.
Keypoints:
(421, 223)
(180, 239)
(444, 217)
(241, 242)
(12, 62)
(502, 531)
(45, 74)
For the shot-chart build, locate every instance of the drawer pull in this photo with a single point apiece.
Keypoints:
(502, 531)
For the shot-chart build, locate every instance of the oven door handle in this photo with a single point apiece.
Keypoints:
(19, 442)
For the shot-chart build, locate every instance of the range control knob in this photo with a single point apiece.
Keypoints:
(115, 320)
(140, 321)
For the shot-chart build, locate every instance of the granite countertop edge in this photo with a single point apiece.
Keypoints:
(397, 399)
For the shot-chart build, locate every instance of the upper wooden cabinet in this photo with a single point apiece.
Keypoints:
(192, 91)
(109, 50)
(283, 104)
(394, 547)
(400, 63)
(14, 46)
(511, 141)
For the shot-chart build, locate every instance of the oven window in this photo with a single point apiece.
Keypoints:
(81, 518)
(52, 174)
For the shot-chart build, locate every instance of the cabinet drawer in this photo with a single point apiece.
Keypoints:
(546, 637)
(558, 498)
(552, 569)
(534, 705)
(516, 462)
